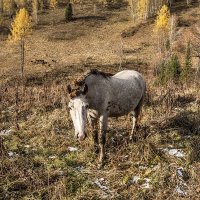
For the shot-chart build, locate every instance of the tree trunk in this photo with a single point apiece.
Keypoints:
(1, 7)
(41, 5)
(22, 58)
(35, 11)
(188, 2)
(132, 9)
(95, 9)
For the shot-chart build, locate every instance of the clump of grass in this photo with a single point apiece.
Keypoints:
(56, 173)
(194, 150)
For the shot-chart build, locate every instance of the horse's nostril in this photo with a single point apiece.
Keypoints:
(82, 137)
(76, 136)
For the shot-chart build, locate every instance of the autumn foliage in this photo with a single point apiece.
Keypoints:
(21, 25)
(162, 20)
(53, 3)
(142, 8)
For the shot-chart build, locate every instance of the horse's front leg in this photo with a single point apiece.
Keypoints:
(94, 129)
(102, 138)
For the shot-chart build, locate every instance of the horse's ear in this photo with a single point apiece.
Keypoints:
(85, 89)
(69, 89)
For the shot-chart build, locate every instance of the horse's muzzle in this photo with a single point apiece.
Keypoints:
(81, 137)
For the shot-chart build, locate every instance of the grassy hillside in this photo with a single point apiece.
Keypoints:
(39, 158)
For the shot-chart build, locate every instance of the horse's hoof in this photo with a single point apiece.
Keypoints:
(132, 138)
(96, 150)
(100, 166)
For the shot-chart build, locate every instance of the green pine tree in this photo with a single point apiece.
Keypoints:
(187, 68)
(170, 71)
(173, 68)
(68, 12)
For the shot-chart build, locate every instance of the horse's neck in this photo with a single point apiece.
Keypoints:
(99, 90)
(97, 81)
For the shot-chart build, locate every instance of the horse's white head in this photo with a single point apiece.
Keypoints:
(78, 110)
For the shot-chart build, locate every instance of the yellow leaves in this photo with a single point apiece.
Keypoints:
(21, 26)
(142, 7)
(53, 3)
(162, 20)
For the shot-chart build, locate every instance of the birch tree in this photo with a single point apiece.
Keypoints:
(162, 27)
(35, 6)
(20, 28)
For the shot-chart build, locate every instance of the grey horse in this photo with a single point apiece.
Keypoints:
(97, 95)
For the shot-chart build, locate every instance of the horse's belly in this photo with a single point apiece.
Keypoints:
(121, 107)
(118, 111)
(115, 114)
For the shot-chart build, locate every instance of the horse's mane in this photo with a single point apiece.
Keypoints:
(81, 80)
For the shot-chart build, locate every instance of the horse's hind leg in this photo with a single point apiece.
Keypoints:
(136, 114)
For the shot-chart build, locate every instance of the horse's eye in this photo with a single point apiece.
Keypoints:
(87, 106)
(69, 108)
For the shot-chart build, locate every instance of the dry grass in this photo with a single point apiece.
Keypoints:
(42, 167)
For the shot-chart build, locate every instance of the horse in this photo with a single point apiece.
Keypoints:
(97, 95)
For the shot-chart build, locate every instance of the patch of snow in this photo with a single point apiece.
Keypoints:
(73, 149)
(12, 154)
(52, 157)
(103, 187)
(180, 191)
(99, 183)
(79, 168)
(60, 172)
(142, 167)
(175, 152)
(126, 156)
(156, 167)
(102, 179)
(112, 139)
(5, 132)
(188, 136)
(180, 172)
(105, 196)
(179, 109)
(135, 179)
(146, 185)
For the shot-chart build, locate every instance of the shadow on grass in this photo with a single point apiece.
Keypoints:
(4, 30)
(186, 122)
(89, 18)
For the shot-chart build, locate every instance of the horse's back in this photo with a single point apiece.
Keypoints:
(127, 90)
(130, 78)
(128, 74)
